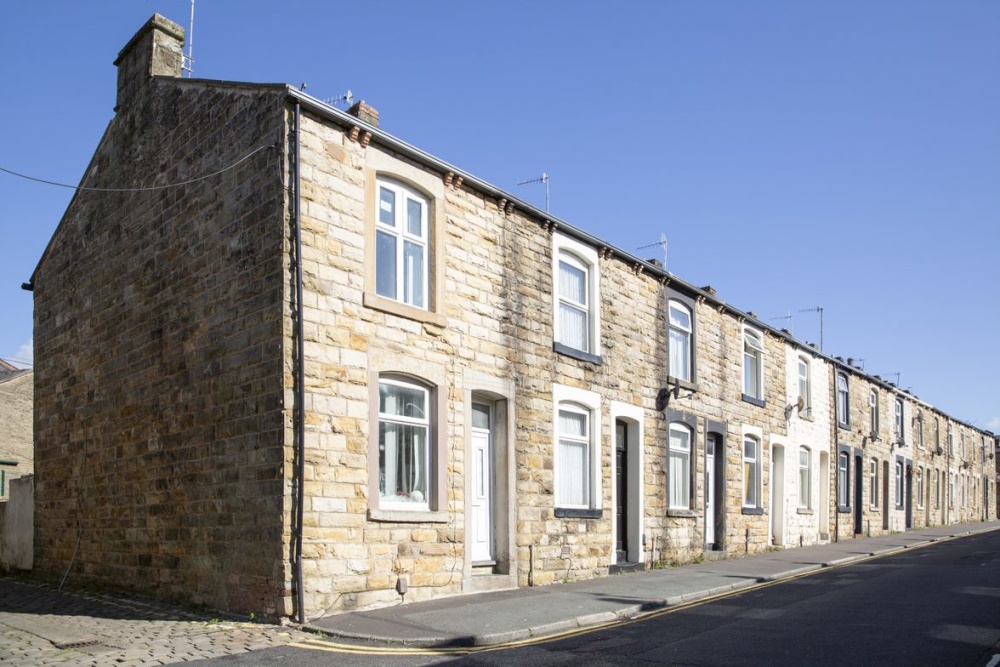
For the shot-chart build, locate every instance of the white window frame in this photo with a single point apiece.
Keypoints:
(753, 363)
(873, 410)
(920, 486)
(678, 454)
(899, 483)
(873, 488)
(753, 461)
(424, 422)
(686, 337)
(580, 400)
(805, 382)
(402, 194)
(843, 480)
(805, 478)
(899, 414)
(920, 430)
(843, 406)
(584, 257)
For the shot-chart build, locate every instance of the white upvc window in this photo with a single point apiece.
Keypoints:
(899, 420)
(576, 296)
(805, 477)
(576, 415)
(401, 233)
(843, 479)
(873, 410)
(951, 441)
(751, 471)
(404, 453)
(873, 490)
(805, 383)
(920, 486)
(920, 430)
(843, 401)
(679, 467)
(951, 489)
(753, 364)
(899, 483)
(681, 339)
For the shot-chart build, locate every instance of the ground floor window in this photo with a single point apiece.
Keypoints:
(403, 436)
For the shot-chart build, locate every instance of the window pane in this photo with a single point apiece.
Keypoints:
(749, 484)
(385, 265)
(413, 275)
(680, 479)
(402, 401)
(572, 424)
(403, 462)
(387, 207)
(480, 416)
(573, 330)
(679, 354)
(679, 317)
(572, 283)
(573, 482)
(414, 217)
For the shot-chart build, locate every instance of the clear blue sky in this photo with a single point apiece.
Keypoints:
(795, 154)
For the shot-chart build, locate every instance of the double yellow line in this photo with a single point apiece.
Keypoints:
(319, 644)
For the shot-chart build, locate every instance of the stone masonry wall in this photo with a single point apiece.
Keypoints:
(158, 347)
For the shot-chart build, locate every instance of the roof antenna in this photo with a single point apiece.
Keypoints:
(544, 180)
(187, 64)
(347, 97)
(787, 318)
(662, 243)
(817, 309)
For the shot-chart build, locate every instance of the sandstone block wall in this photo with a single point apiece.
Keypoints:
(159, 377)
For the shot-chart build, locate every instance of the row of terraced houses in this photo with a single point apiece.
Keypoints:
(339, 365)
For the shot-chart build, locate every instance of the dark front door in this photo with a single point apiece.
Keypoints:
(909, 497)
(859, 487)
(621, 493)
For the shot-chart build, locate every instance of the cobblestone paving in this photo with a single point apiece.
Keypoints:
(42, 626)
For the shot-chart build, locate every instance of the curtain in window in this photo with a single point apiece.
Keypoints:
(804, 495)
(842, 489)
(573, 314)
(403, 430)
(679, 481)
(750, 473)
(679, 351)
(574, 455)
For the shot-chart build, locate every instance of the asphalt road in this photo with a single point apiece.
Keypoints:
(937, 606)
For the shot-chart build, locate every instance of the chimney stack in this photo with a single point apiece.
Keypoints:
(364, 111)
(156, 50)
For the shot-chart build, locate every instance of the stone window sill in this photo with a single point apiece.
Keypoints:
(577, 354)
(376, 302)
(804, 510)
(755, 511)
(683, 384)
(747, 398)
(577, 513)
(407, 516)
(682, 513)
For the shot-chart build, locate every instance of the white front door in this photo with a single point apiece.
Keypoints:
(482, 484)
(710, 491)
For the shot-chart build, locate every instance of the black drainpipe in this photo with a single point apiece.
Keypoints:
(300, 375)
(836, 454)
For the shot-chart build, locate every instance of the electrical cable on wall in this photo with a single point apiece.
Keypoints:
(144, 189)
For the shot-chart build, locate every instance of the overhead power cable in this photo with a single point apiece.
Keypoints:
(145, 189)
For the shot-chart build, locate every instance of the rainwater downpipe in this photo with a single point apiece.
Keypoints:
(836, 458)
(300, 375)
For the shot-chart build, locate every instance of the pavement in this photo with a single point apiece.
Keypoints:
(484, 619)
(40, 625)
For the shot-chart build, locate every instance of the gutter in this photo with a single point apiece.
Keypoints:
(299, 376)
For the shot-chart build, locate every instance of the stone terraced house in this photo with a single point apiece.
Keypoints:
(330, 365)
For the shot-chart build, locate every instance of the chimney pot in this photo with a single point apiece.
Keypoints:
(364, 111)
